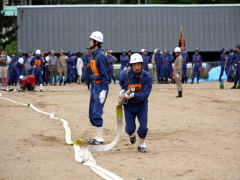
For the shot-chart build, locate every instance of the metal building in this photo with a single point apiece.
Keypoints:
(207, 27)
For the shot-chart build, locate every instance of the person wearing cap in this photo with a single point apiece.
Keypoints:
(136, 104)
(223, 63)
(231, 65)
(178, 70)
(71, 67)
(9, 59)
(21, 55)
(10, 70)
(99, 86)
(146, 59)
(196, 65)
(129, 53)
(62, 68)
(46, 72)
(124, 60)
(37, 63)
(79, 68)
(158, 62)
(237, 68)
(154, 63)
(52, 65)
(28, 67)
(170, 66)
(3, 68)
(87, 55)
(185, 61)
(165, 67)
(110, 61)
(17, 71)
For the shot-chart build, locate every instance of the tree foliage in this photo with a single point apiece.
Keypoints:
(8, 29)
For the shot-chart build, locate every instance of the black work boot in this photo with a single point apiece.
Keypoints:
(95, 142)
(179, 94)
(166, 81)
(132, 139)
(234, 86)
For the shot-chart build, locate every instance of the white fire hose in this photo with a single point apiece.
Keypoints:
(83, 155)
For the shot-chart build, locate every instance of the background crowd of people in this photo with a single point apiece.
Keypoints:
(73, 67)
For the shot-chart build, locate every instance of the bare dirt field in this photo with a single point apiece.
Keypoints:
(196, 137)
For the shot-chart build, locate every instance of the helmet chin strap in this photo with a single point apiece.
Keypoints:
(94, 46)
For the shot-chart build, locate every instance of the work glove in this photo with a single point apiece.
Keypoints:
(177, 76)
(21, 77)
(121, 94)
(129, 96)
(102, 96)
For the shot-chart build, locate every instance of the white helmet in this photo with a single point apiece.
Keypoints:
(21, 60)
(38, 51)
(142, 50)
(136, 58)
(177, 50)
(97, 35)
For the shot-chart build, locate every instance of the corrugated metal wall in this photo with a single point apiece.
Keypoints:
(128, 27)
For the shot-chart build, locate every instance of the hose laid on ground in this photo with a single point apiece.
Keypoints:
(83, 155)
(107, 147)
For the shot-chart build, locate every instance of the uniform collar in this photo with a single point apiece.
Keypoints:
(96, 51)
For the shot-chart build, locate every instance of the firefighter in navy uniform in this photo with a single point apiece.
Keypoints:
(37, 64)
(237, 68)
(99, 86)
(136, 103)
(196, 65)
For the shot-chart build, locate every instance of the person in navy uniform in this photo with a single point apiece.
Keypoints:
(237, 67)
(110, 61)
(136, 102)
(185, 61)
(37, 64)
(130, 53)
(231, 65)
(16, 71)
(99, 86)
(223, 63)
(170, 66)
(196, 65)
(146, 59)
(158, 62)
(165, 67)
(124, 60)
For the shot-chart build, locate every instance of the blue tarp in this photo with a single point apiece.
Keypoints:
(214, 73)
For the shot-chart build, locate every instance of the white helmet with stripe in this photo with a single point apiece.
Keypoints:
(136, 58)
(21, 60)
(177, 50)
(38, 51)
(97, 36)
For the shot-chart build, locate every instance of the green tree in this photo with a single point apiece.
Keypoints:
(8, 29)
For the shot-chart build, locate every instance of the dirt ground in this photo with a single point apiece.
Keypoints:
(196, 137)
